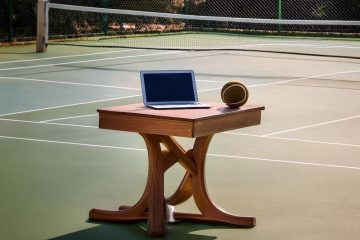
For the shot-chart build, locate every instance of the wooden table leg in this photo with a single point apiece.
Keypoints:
(151, 206)
(133, 213)
(201, 197)
(156, 201)
(194, 184)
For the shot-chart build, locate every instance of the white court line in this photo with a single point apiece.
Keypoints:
(75, 104)
(86, 84)
(319, 45)
(258, 85)
(71, 143)
(68, 56)
(291, 80)
(310, 126)
(198, 80)
(68, 105)
(294, 139)
(285, 161)
(70, 83)
(250, 86)
(65, 118)
(210, 154)
(87, 61)
(287, 81)
(91, 85)
(305, 78)
(47, 122)
(313, 141)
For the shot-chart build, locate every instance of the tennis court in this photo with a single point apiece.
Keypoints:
(298, 172)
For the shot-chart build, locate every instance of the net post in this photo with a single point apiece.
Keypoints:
(42, 25)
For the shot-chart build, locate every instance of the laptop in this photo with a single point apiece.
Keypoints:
(171, 89)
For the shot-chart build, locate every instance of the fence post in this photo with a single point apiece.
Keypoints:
(105, 28)
(9, 22)
(186, 7)
(186, 11)
(280, 13)
(41, 35)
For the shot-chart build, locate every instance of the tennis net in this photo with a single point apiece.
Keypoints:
(103, 27)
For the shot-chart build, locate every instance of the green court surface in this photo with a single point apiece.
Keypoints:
(298, 172)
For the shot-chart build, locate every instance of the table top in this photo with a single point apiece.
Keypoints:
(179, 122)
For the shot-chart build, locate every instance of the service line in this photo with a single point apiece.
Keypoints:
(210, 154)
(50, 122)
(310, 126)
(70, 83)
(88, 61)
(293, 139)
(82, 103)
(47, 123)
(65, 118)
(205, 90)
(286, 81)
(68, 56)
(69, 105)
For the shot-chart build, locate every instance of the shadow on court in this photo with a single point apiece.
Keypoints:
(111, 231)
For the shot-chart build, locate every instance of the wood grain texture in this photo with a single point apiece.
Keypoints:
(210, 126)
(156, 201)
(208, 209)
(184, 159)
(148, 125)
(157, 128)
(178, 122)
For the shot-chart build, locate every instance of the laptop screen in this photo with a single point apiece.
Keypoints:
(169, 86)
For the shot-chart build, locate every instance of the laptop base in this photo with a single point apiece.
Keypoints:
(179, 106)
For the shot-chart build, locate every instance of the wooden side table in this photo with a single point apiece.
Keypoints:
(158, 127)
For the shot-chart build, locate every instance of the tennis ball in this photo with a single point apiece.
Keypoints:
(234, 94)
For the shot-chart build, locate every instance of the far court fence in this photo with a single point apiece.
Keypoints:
(18, 17)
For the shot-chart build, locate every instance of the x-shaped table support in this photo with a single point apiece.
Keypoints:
(152, 204)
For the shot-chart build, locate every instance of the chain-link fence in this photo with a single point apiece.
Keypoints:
(17, 20)
(18, 17)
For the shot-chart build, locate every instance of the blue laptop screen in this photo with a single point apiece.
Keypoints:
(169, 87)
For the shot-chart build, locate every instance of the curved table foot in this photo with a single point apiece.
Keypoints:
(152, 205)
(232, 220)
(208, 209)
(116, 216)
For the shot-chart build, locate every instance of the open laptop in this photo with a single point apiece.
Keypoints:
(170, 89)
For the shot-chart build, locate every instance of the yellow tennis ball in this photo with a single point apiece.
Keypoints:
(234, 94)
